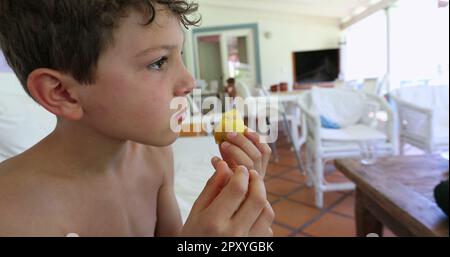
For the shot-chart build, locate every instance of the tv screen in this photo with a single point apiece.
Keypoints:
(316, 66)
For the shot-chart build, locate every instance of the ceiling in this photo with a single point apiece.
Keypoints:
(339, 9)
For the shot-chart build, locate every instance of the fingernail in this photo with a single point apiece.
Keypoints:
(255, 173)
(244, 169)
(232, 135)
(215, 159)
(225, 145)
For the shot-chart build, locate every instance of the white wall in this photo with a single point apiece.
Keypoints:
(289, 33)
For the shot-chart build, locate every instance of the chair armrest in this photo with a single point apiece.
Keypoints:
(415, 120)
(413, 107)
(312, 124)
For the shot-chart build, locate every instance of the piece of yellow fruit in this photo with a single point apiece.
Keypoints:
(231, 122)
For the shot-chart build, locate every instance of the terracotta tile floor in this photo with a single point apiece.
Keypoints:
(293, 201)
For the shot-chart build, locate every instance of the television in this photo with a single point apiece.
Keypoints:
(316, 66)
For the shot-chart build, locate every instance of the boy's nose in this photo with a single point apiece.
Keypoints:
(186, 84)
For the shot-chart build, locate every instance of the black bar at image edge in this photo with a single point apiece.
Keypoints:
(225, 246)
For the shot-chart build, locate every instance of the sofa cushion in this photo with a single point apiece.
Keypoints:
(353, 133)
(344, 107)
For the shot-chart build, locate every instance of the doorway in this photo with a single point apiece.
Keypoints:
(227, 52)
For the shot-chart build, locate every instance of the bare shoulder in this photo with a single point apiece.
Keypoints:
(22, 201)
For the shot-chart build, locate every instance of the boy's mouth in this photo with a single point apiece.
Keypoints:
(181, 115)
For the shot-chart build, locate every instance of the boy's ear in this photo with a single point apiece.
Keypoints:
(52, 90)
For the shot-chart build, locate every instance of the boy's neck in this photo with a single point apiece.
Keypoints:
(74, 148)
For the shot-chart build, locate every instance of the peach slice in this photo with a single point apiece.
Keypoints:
(231, 122)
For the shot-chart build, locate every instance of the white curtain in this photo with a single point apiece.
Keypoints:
(365, 48)
(419, 45)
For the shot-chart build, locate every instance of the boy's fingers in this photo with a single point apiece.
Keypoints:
(214, 161)
(262, 225)
(253, 205)
(255, 138)
(214, 186)
(233, 155)
(264, 148)
(246, 145)
(227, 158)
(232, 195)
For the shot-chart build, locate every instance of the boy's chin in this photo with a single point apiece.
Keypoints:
(162, 141)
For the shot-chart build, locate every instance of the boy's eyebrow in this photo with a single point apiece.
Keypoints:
(154, 49)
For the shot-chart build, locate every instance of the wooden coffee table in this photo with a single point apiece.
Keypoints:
(398, 192)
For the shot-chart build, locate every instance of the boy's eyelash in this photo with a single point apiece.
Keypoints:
(158, 64)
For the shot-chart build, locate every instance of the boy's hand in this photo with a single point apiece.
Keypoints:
(232, 204)
(246, 150)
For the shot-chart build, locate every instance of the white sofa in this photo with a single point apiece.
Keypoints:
(192, 164)
(23, 123)
(424, 116)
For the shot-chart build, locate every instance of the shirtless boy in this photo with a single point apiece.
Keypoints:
(108, 69)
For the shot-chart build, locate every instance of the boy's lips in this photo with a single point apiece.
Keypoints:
(181, 115)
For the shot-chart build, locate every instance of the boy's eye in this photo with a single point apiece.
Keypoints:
(158, 65)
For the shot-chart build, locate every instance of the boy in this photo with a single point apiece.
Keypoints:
(109, 69)
(230, 88)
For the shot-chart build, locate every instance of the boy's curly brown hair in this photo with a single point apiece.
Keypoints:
(70, 35)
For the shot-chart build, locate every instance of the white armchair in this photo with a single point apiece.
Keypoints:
(374, 85)
(349, 109)
(424, 116)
